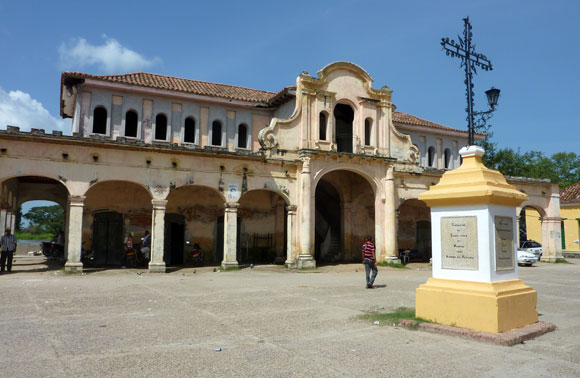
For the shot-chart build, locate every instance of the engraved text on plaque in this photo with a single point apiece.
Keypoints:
(504, 243)
(459, 243)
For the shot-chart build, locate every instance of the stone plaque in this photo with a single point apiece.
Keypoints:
(459, 243)
(504, 243)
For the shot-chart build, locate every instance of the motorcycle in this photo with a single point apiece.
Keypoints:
(87, 258)
(52, 250)
(196, 253)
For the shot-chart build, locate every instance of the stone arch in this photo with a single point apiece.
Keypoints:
(373, 181)
(35, 187)
(141, 185)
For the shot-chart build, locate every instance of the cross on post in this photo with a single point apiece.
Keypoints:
(470, 60)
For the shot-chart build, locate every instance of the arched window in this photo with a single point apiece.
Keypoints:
(131, 121)
(368, 131)
(431, 157)
(322, 126)
(242, 136)
(100, 120)
(161, 127)
(216, 133)
(189, 130)
(447, 156)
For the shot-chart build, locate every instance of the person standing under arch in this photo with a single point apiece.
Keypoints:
(8, 244)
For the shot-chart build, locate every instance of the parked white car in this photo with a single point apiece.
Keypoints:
(526, 258)
(532, 247)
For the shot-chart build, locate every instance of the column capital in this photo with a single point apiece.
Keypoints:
(552, 219)
(291, 209)
(76, 200)
(305, 164)
(232, 206)
(159, 204)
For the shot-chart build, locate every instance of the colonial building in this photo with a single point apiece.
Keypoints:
(299, 177)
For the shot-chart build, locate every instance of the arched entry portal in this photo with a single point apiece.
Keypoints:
(49, 196)
(262, 228)
(344, 117)
(414, 233)
(530, 225)
(345, 216)
(113, 209)
(195, 214)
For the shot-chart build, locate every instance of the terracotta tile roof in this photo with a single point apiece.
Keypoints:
(203, 88)
(409, 119)
(570, 194)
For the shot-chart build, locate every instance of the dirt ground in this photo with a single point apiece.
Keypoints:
(260, 322)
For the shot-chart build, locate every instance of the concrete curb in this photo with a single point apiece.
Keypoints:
(509, 338)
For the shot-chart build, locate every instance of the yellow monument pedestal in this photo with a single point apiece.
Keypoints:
(475, 282)
(484, 306)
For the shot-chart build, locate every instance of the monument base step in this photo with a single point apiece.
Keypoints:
(489, 307)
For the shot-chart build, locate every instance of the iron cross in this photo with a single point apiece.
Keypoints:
(470, 60)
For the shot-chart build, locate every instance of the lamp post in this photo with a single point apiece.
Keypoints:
(470, 59)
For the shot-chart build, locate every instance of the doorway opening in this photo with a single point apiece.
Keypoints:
(344, 117)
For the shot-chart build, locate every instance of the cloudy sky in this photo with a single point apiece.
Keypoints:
(533, 46)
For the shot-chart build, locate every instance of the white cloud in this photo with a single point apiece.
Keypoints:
(18, 108)
(112, 57)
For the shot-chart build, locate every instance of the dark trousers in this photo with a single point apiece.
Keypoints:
(370, 265)
(6, 255)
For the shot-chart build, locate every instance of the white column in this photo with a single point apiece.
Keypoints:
(13, 222)
(2, 221)
(518, 228)
(157, 264)
(290, 252)
(391, 253)
(551, 238)
(74, 234)
(230, 235)
(306, 259)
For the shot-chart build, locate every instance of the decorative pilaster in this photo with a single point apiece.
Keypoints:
(306, 258)
(391, 253)
(157, 264)
(290, 251)
(230, 234)
(74, 234)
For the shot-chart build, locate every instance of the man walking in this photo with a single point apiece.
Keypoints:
(8, 245)
(370, 261)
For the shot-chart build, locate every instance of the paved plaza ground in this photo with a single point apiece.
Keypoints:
(268, 322)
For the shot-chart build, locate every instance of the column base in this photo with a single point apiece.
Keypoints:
(73, 267)
(157, 267)
(305, 262)
(392, 259)
(550, 259)
(291, 264)
(484, 306)
(229, 264)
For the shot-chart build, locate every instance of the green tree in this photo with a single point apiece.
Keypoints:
(45, 219)
(18, 222)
